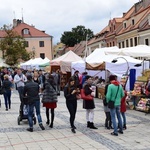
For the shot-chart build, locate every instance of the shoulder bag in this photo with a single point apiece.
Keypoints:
(111, 104)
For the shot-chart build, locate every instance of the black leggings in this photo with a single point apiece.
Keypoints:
(108, 122)
(72, 108)
(52, 114)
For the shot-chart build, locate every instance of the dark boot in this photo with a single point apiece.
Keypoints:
(47, 116)
(124, 126)
(106, 125)
(88, 124)
(51, 125)
(92, 126)
(47, 122)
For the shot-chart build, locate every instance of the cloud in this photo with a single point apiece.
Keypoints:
(57, 16)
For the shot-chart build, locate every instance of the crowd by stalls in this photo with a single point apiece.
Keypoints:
(33, 84)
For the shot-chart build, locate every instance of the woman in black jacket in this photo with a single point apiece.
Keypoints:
(6, 85)
(49, 99)
(70, 92)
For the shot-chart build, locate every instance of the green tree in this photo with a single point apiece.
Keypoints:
(13, 47)
(78, 34)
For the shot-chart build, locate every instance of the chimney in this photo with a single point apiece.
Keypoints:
(14, 23)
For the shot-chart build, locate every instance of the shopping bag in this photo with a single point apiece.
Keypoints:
(78, 96)
(86, 97)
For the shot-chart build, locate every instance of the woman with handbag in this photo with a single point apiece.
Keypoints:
(114, 95)
(49, 99)
(89, 104)
(6, 86)
(70, 93)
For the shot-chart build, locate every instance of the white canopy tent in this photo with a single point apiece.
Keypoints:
(65, 61)
(80, 66)
(137, 51)
(34, 63)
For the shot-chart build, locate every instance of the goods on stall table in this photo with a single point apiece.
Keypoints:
(143, 105)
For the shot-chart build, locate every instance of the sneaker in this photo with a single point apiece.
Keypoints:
(41, 126)
(119, 131)
(30, 129)
(6, 109)
(115, 134)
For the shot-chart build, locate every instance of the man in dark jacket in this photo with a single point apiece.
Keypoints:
(31, 89)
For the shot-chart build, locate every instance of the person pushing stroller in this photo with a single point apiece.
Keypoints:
(31, 90)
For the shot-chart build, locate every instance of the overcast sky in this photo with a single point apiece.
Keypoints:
(57, 16)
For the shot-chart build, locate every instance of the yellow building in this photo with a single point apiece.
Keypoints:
(36, 40)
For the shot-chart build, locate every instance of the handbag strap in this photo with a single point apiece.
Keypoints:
(116, 94)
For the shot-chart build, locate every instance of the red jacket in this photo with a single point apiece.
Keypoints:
(123, 103)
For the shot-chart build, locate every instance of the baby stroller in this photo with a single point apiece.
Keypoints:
(23, 111)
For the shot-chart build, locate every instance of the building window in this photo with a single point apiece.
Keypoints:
(113, 43)
(119, 45)
(41, 43)
(26, 31)
(114, 27)
(131, 42)
(135, 41)
(123, 44)
(146, 42)
(26, 43)
(42, 55)
(125, 25)
(110, 44)
(132, 21)
(127, 43)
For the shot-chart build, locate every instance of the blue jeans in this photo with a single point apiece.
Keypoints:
(124, 118)
(35, 104)
(7, 97)
(116, 112)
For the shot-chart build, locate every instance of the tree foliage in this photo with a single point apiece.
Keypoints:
(78, 34)
(13, 47)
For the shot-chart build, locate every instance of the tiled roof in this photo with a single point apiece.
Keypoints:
(33, 32)
(2, 33)
(141, 14)
(98, 37)
(79, 48)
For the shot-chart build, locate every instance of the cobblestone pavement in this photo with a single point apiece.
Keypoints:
(15, 137)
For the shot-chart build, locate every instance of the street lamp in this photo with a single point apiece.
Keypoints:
(127, 71)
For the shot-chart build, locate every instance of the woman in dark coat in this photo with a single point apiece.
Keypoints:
(89, 105)
(7, 94)
(70, 92)
(49, 99)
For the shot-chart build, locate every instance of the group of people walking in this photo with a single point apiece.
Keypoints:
(33, 84)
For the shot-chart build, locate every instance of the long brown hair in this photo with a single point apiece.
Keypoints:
(69, 85)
